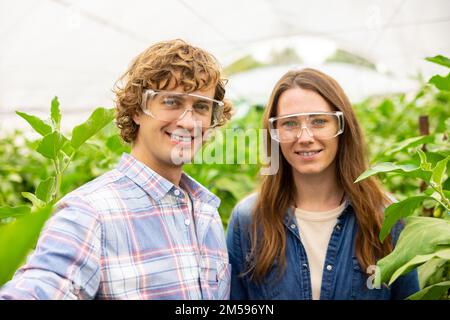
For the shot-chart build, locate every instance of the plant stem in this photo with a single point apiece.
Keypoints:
(58, 179)
(68, 162)
(444, 201)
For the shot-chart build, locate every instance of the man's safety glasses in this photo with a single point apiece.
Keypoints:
(171, 106)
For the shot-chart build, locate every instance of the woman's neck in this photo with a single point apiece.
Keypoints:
(318, 192)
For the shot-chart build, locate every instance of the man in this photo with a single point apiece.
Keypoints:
(144, 230)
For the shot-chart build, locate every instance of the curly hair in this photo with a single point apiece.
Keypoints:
(166, 65)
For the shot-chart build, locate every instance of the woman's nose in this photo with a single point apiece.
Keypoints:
(305, 137)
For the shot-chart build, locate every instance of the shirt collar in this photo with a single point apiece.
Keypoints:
(289, 217)
(198, 191)
(157, 186)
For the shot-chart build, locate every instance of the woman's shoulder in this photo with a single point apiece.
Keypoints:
(243, 211)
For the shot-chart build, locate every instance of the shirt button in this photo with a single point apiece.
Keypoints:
(305, 266)
(293, 226)
(329, 267)
(187, 222)
(176, 192)
(338, 227)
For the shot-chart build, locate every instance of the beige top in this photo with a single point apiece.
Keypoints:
(315, 230)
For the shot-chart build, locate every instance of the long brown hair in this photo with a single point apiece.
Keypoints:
(277, 192)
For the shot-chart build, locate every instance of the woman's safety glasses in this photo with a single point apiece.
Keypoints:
(319, 125)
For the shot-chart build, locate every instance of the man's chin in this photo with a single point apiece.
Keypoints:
(181, 156)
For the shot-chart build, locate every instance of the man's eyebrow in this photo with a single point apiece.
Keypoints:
(199, 99)
(173, 96)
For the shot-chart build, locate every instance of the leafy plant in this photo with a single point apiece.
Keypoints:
(22, 224)
(425, 241)
(37, 172)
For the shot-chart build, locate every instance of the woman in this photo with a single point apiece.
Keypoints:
(311, 232)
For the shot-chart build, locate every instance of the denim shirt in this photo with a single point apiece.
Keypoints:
(343, 277)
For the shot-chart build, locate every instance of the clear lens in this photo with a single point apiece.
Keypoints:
(318, 125)
(171, 106)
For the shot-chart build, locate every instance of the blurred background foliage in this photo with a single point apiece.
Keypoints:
(386, 121)
(390, 124)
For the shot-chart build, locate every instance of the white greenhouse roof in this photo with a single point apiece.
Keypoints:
(78, 49)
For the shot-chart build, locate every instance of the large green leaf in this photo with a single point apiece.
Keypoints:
(46, 189)
(116, 145)
(418, 260)
(408, 143)
(7, 212)
(419, 174)
(96, 122)
(424, 164)
(37, 124)
(399, 210)
(439, 59)
(431, 272)
(439, 171)
(421, 236)
(55, 113)
(16, 240)
(38, 203)
(51, 144)
(433, 292)
(237, 186)
(442, 83)
(386, 167)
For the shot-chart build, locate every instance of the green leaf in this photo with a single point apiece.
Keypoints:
(420, 174)
(386, 108)
(237, 186)
(115, 144)
(96, 122)
(409, 143)
(418, 260)
(438, 172)
(385, 167)
(46, 189)
(446, 193)
(51, 144)
(424, 164)
(431, 272)
(421, 236)
(56, 113)
(68, 149)
(23, 233)
(7, 212)
(37, 124)
(433, 292)
(439, 59)
(399, 210)
(34, 200)
(442, 83)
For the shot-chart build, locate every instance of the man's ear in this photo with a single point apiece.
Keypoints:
(137, 118)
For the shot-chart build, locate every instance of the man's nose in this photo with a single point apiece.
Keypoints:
(187, 119)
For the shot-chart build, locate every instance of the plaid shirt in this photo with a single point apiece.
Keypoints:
(129, 234)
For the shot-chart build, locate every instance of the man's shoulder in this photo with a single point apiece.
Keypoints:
(95, 190)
